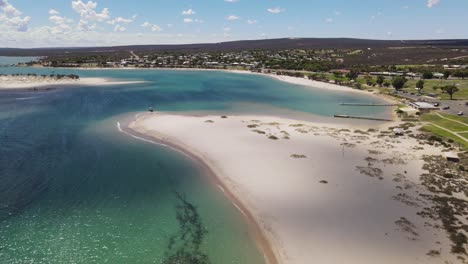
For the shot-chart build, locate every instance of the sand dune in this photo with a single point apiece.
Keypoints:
(320, 193)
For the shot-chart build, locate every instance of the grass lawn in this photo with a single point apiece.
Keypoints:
(465, 135)
(462, 85)
(450, 125)
(462, 119)
(442, 133)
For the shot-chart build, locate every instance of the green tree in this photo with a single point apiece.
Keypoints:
(352, 75)
(398, 82)
(450, 90)
(420, 85)
(428, 75)
(460, 74)
(446, 74)
(380, 80)
(369, 80)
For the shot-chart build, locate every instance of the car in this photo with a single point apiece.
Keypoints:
(460, 113)
(446, 107)
(412, 93)
(436, 104)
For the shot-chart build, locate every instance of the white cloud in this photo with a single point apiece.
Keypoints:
(153, 27)
(232, 17)
(231, 1)
(53, 12)
(329, 20)
(252, 21)
(119, 28)
(11, 18)
(87, 12)
(188, 20)
(188, 12)
(121, 20)
(431, 3)
(275, 10)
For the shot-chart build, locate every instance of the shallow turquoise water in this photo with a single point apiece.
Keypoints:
(73, 189)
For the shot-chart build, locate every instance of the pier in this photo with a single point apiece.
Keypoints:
(363, 117)
(353, 104)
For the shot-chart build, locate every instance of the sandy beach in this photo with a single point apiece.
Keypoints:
(320, 193)
(30, 82)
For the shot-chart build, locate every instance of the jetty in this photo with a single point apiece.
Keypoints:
(363, 117)
(357, 104)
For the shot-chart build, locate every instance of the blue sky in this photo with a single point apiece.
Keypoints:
(45, 23)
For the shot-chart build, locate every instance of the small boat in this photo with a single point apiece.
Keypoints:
(151, 109)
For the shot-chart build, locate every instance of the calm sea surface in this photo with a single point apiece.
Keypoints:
(73, 189)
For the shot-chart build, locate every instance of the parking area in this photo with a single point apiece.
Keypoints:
(455, 106)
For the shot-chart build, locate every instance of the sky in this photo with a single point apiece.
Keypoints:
(72, 23)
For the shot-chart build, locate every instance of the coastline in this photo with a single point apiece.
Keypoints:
(165, 128)
(262, 240)
(286, 79)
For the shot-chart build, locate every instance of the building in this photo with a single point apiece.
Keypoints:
(423, 106)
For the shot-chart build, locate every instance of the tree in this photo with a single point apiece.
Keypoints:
(398, 82)
(450, 90)
(380, 80)
(460, 74)
(428, 75)
(369, 80)
(446, 74)
(358, 86)
(420, 85)
(352, 75)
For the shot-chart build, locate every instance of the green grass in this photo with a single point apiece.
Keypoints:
(458, 118)
(450, 125)
(462, 94)
(445, 134)
(465, 135)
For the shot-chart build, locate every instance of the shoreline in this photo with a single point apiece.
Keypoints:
(259, 235)
(244, 178)
(283, 78)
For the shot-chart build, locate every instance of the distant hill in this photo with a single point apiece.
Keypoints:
(266, 44)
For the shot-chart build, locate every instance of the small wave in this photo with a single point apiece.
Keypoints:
(150, 141)
(26, 98)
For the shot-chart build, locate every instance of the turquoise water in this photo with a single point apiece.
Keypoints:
(73, 189)
(14, 60)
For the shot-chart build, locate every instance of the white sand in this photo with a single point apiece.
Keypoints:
(27, 82)
(351, 219)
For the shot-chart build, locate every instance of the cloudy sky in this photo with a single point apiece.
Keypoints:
(66, 23)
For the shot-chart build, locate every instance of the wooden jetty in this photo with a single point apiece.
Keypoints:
(353, 104)
(363, 117)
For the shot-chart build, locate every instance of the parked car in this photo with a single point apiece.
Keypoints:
(436, 104)
(446, 107)
(460, 113)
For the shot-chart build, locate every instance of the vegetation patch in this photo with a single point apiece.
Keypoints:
(259, 131)
(370, 171)
(272, 137)
(405, 225)
(298, 156)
